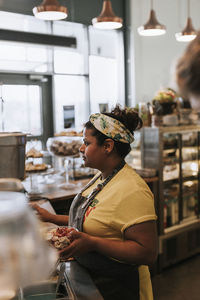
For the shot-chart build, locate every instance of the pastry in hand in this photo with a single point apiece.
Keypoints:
(58, 237)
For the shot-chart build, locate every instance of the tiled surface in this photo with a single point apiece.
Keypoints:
(179, 282)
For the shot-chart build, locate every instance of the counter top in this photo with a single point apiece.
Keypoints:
(63, 193)
(56, 193)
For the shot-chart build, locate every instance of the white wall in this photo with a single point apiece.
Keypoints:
(154, 58)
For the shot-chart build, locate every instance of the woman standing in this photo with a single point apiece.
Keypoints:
(116, 238)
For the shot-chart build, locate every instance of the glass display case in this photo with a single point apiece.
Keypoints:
(35, 167)
(175, 153)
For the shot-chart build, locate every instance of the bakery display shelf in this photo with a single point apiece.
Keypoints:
(34, 167)
(194, 146)
(189, 221)
(173, 147)
(171, 181)
(180, 128)
(174, 180)
(188, 195)
(190, 178)
(175, 153)
(169, 161)
(190, 161)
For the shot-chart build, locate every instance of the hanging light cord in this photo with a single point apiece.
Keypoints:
(188, 7)
(2, 108)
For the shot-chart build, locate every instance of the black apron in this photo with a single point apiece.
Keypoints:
(115, 280)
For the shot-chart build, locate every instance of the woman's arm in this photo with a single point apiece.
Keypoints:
(46, 216)
(139, 245)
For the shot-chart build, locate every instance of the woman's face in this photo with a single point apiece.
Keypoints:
(93, 154)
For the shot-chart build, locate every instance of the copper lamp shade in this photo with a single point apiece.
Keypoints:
(188, 33)
(152, 27)
(50, 10)
(107, 19)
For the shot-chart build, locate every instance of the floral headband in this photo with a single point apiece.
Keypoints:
(112, 128)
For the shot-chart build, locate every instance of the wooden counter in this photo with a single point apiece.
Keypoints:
(56, 194)
(61, 199)
(65, 194)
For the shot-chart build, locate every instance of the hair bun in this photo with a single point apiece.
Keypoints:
(128, 116)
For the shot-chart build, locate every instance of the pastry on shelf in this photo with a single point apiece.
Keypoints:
(190, 187)
(189, 153)
(69, 133)
(170, 172)
(30, 167)
(34, 153)
(190, 139)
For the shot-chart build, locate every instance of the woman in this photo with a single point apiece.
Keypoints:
(114, 214)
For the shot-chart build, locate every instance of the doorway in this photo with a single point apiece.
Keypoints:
(26, 105)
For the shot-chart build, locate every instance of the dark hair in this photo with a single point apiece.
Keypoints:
(188, 68)
(126, 116)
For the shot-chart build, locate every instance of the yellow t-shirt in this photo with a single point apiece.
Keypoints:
(125, 200)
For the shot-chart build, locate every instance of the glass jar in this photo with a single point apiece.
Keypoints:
(145, 113)
(64, 149)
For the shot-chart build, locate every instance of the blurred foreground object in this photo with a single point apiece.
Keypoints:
(25, 258)
(188, 69)
(11, 184)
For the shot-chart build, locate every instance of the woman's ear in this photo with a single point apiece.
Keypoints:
(109, 145)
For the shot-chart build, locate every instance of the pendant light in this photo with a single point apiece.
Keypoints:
(107, 19)
(188, 33)
(152, 27)
(50, 10)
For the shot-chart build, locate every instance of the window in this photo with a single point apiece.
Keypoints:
(103, 82)
(106, 69)
(87, 77)
(26, 105)
(22, 57)
(22, 108)
(70, 90)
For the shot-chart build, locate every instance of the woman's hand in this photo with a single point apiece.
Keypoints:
(138, 247)
(43, 214)
(46, 216)
(80, 243)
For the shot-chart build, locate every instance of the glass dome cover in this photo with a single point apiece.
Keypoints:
(64, 145)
